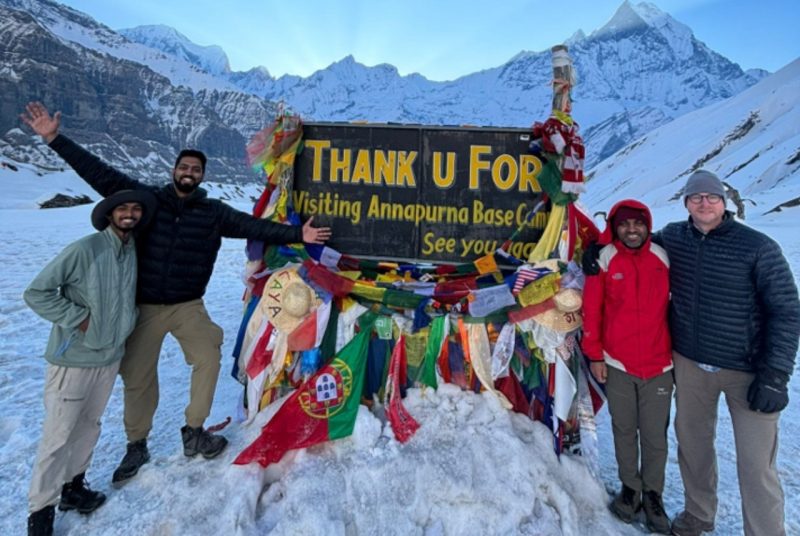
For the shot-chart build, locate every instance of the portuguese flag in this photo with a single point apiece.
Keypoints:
(323, 408)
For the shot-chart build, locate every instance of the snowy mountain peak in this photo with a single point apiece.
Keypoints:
(210, 58)
(646, 17)
(579, 35)
(263, 71)
(346, 63)
(626, 19)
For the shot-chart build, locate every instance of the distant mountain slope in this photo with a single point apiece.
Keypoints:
(752, 141)
(211, 59)
(641, 70)
(123, 110)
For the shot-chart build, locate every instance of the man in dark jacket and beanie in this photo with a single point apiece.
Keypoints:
(735, 323)
(176, 255)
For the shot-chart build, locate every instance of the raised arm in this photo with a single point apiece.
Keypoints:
(105, 179)
(38, 118)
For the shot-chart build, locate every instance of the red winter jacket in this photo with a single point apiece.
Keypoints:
(625, 305)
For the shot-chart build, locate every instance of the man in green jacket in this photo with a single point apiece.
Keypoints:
(88, 292)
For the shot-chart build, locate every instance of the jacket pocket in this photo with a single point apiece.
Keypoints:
(97, 336)
(66, 343)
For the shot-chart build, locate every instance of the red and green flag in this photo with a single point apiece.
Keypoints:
(323, 408)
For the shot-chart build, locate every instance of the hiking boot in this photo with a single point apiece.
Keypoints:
(40, 522)
(626, 504)
(199, 441)
(655, 517)
(687, 524)
(136, 456)
(77, 495)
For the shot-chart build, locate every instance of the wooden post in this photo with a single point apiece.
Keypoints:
(563, 78)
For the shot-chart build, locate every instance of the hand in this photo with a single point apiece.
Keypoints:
(38, 118)
(591, 253)
(769, 393)
(315, 235)
(84, 325)
(599, 371)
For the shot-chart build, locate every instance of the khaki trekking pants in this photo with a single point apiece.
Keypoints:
(199, 338)
(640, 417)
(74, 401)
(756, 440)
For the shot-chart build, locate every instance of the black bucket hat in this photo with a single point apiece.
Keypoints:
(104, 207)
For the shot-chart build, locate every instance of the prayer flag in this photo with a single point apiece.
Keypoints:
(403, 424)
(323, 408)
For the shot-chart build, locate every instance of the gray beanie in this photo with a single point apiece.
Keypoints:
(703, 182)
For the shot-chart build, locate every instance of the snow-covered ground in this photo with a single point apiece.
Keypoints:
(472, 468)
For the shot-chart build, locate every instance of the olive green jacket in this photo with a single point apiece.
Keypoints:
(95, 277)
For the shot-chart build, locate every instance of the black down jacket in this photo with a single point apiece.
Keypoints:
(734, 300)
(178, 249)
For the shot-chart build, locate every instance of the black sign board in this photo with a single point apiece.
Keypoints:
(410, 192)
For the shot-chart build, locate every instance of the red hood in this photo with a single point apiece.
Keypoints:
(608, 234)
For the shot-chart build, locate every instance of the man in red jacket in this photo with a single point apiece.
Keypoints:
(626, 338)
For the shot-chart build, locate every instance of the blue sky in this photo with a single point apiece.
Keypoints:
(441, 39)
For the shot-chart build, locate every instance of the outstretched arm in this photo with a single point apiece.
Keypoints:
(41, 122)
(237, 224)
(315, 235)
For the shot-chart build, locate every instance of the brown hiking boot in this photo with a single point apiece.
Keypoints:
(686, 524)
(136, 455)
(200, 441)
(655, 517)
(626, 504)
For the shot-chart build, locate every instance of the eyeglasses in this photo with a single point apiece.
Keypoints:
(711, 198)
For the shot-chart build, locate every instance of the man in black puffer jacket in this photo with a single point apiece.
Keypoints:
(176, 257)
(735, 323)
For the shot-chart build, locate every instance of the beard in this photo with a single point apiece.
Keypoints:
(183, 187)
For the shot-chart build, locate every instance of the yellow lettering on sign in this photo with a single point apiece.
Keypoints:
(446, 180)
(405, 172)
(340, 165)
(362, 171)
(477, 246)
(432, 244)
(384, 167)
(317, 146)
(522, 250)
(476, 165)
(529, 169)
(491, 216)
(522, 213)
(504, 183)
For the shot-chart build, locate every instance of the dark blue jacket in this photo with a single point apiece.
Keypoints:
(734, 301)
(178, 249)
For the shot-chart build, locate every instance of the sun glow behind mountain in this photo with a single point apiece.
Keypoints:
(441, 40)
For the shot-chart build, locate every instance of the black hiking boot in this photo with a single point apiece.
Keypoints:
(626, 504)
(136, 456)
(655, 517)
(40, 522)
(77, 495)
(200, 441)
